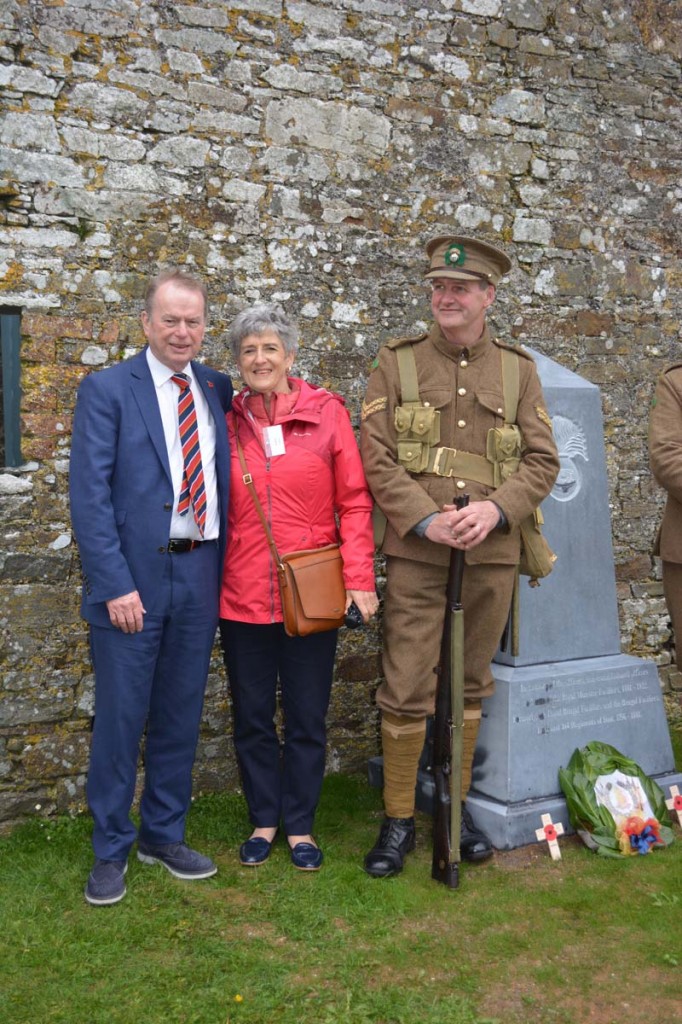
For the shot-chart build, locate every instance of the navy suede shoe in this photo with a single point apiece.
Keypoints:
(254, 851)
(306, 857)
(106, 883)
(179, 859)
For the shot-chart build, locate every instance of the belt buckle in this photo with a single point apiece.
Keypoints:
(448, 455)
(180, 545)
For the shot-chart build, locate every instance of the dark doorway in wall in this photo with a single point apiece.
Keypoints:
(10, 386)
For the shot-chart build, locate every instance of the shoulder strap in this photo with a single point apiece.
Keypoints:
(409, 389)
(510, 384)
(407, 371)
(248, 480)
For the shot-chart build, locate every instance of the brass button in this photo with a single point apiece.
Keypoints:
(461, 484)
(500, 412)
(427, 405)
(464, 362)
(461, 423)
(461, 391)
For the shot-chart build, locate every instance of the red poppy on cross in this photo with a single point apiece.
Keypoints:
(549, 833)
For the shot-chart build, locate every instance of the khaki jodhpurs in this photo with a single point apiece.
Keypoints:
(414, 611)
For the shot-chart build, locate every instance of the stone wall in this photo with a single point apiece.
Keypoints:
(304, 151)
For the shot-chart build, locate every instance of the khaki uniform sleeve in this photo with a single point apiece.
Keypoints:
(401, 498)
(665, 433)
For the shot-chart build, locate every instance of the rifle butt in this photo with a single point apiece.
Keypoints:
(446, 873)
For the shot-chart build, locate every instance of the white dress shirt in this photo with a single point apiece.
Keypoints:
(167, 395)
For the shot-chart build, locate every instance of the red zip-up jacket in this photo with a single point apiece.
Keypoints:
(318, 483)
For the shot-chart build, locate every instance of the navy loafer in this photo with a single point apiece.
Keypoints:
(254, 851)
(306, 857)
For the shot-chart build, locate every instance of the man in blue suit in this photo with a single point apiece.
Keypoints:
(151, 571)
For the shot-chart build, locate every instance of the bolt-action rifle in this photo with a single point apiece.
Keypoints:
(448, 728)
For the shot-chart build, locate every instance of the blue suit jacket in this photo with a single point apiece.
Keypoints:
(120, 484)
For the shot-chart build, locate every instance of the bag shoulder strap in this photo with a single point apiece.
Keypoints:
(248, 480)
(407, 371)
(510, 384)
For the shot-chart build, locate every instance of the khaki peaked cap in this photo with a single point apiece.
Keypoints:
(466, 259)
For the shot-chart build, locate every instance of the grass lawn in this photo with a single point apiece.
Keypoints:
(522, 940)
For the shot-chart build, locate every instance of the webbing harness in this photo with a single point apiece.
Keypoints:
(449, 462)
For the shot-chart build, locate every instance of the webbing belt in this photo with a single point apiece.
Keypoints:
(452, 462)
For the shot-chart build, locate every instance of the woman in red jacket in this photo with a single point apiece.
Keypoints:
(302, 454)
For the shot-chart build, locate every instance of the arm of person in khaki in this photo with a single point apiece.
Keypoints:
(665, 432)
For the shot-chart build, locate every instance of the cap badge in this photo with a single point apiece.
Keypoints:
(454, 255)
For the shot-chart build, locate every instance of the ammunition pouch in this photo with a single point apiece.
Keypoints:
(418, 429)
(503, 451)
(503, 457)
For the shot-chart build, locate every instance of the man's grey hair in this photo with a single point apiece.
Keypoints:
(180, 277)
(259, 319)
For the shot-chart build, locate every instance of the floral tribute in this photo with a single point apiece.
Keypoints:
(638, 835)
(614, 807)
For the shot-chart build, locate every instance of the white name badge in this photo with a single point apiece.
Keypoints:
(273, 439)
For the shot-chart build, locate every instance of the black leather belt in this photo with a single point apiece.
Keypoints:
(178, 547)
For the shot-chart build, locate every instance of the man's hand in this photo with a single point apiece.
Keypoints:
(126, 612)
(464, 528)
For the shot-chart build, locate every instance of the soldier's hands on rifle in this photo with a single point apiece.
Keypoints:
(464, 528)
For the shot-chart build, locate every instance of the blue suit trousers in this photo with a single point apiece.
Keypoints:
(154, 679)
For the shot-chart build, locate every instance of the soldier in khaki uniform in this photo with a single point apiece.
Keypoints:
(417, 457)
(665, 453)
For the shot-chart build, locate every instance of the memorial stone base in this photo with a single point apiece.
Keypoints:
(537, 717)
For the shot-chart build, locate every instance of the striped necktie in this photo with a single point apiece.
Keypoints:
(192, 488)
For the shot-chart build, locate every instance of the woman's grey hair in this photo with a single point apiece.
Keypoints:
(258, 319)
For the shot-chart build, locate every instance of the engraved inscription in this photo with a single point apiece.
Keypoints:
(557, 704)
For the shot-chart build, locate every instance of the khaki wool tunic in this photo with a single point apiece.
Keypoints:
(665, 454)
(465, 385)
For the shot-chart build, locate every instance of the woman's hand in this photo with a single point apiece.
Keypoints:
(366, 600)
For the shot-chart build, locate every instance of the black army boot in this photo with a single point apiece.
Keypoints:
(396, 838)
(474, 845)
